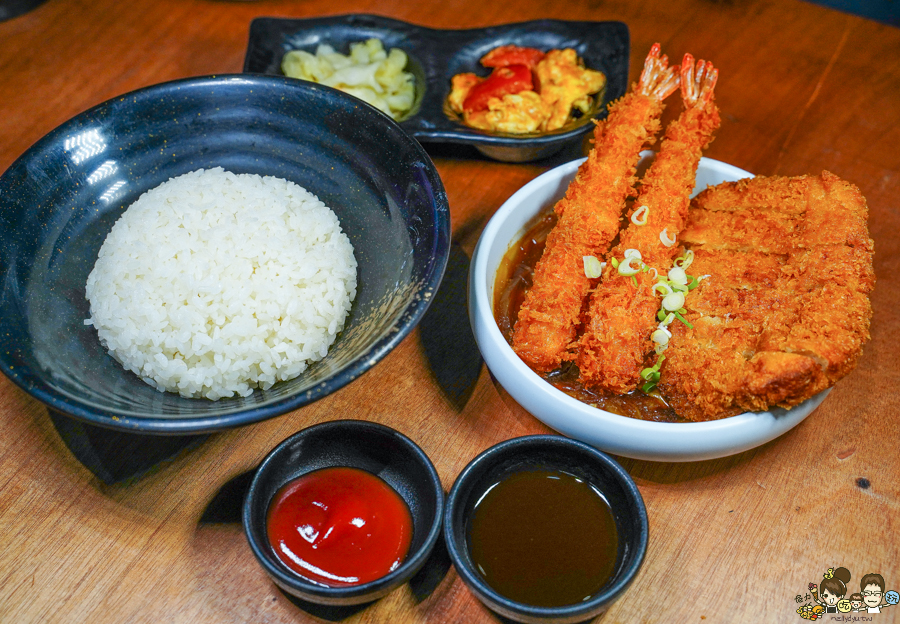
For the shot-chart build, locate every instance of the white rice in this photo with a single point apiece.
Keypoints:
(213, 284)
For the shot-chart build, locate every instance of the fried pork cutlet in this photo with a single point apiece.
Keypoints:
(784, 311)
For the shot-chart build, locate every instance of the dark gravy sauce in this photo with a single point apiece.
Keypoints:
(544, 537)
(514, 278)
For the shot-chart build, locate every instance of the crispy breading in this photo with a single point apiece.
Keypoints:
(548, 321)
(622, 314)
(588, 221)
(785, 310)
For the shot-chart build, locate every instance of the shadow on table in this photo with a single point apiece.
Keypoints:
(118, 456)
(454, 151)
(447, 337)
(226, 507)
(678, 472)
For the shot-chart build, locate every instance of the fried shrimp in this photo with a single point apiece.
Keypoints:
(588, 216)
(622, 314)
(785, 310)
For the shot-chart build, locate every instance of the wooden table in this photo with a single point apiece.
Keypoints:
(801, 89)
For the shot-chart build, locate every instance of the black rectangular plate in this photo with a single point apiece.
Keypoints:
(436, 55)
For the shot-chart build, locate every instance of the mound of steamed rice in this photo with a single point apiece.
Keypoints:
(213, 284)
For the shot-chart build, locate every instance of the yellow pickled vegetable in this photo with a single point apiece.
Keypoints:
(368, 72)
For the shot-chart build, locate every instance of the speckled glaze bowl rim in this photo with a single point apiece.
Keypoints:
(354, 594)
(530, 613)
(406, 322)
(609, 432)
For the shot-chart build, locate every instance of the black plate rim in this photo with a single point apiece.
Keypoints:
(444, 130)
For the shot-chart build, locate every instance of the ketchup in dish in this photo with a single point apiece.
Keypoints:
(339, 526)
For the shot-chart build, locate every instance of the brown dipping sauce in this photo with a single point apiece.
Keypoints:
(514, 278)
(544, 538)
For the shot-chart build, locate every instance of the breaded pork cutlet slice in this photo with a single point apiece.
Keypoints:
(784, 311)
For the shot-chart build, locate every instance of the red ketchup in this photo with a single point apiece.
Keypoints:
(339, 526)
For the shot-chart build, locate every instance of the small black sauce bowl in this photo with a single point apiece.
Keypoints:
(369, 446)
(549, 452)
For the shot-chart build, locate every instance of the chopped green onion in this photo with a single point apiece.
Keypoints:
(615, 263)
(682, 319)
(664, 238)
(625, 267)
(652, 375)
(673, 301)
(592, 267)
(639, 216)
(685, 260)
(661, 336)
(633, 253)
(673, 288)
(677, 275)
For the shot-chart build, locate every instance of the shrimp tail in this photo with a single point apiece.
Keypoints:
(697, 81)
(657, 78)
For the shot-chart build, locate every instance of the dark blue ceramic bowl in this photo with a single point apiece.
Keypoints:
(549, 452)
(60, 199)
(368, 446)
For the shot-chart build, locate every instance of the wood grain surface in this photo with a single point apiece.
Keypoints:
(801, 89)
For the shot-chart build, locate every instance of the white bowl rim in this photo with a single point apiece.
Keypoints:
(610, 432)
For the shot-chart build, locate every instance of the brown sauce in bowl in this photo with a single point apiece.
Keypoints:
(544, 537)
(514, 277)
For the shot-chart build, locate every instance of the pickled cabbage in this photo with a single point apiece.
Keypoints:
(368, 72)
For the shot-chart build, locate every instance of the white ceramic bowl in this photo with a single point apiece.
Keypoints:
(609, 432)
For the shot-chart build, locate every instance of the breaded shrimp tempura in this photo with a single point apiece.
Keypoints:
(589, 218)
(622, 315)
